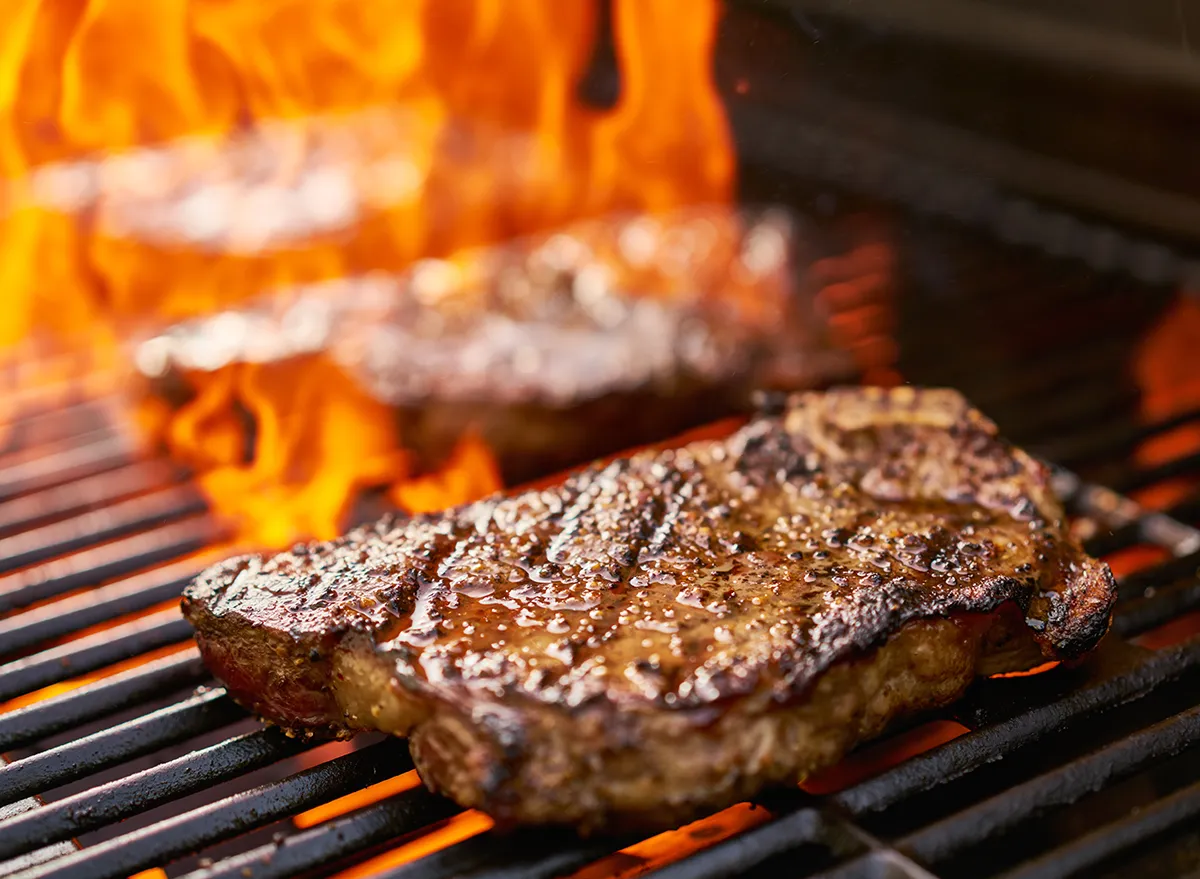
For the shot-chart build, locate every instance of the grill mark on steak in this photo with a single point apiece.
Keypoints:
(767, 600)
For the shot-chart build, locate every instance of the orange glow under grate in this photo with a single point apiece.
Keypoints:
(453, 830)
(357, 800)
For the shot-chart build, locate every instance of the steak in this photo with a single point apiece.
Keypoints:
(674, 631)
(555, 349)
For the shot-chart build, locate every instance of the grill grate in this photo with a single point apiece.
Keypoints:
(144, 765)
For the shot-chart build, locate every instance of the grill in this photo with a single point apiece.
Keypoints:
(121, 754)
(154, 764)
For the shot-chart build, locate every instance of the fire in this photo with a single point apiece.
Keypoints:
(1165, 371)
(319, 438)
(169, 160)
(470, 472)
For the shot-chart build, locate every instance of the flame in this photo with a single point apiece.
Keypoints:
(874, 759)
(231, 148)
(470, 473)
(1165, 370)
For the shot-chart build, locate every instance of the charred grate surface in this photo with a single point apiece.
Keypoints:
(121, 755)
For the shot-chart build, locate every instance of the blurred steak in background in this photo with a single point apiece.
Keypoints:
(554, 350)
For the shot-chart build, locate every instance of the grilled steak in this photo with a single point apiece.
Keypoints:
(671, 632)
(556, 349)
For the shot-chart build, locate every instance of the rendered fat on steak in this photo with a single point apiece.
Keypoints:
(672, 632)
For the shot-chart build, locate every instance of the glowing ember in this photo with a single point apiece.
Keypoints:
(317, 440)
(153, 873)
(1165, 368)
(236, 146)
(450, 832)
(357, 800)
(469, 473)
(874, 759)
(67, 686)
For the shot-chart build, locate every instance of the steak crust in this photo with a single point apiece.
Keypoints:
(671, 632)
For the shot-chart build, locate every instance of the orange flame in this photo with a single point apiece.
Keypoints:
(168, 160)
(319, 438)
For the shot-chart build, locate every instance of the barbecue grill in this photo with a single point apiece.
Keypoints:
(1027, 281)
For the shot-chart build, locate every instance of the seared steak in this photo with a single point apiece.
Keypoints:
(671, 632)
(557, 349)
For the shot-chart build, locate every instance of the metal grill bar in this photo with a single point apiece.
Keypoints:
(969, 752)
(140, 791)
(532, 855)
(36, 509)
(1092, 849)
(1188, 509)
(1154, 528)
(231, 816)
(35, 469)
(201, 713)
(844, 151)
(88, 529)
(800, 819)
(98, 605)
(1116, 540)
(1144, 584)
(37, 856)
(1139, 479)
(18, 728)
(1140, 615)
(807, 825)
(119, 558)
(394, 817)
(1107, 442)
(49, 426)
(1057, 788)
(956, 758)
(93, 652)
(1089, 405)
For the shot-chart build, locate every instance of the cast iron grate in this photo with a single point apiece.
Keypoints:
(154, 766)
